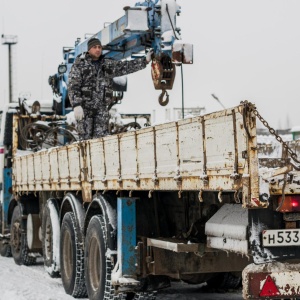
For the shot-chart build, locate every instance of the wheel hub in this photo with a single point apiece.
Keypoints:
(16, 236)
(48, 241)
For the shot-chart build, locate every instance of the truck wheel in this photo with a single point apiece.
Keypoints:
(225, 281)
(18, 239)
(72, 257)
(196, 278)
(51, 238)
(5, 250)
(138, 296)
(97, 265)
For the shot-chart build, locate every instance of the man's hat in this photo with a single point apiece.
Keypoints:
(93, 42)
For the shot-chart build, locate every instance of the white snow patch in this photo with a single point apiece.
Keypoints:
(109, 210)
(112, 215)
(173, 7)
(110, 252)
(187, 49)
(116, 273)
(269, 147)
(12, 110)
(137, 19)
(115, 117)
(23, 152)
(42, 122)
(168, 36)
(64, 85)
(29, 283)
(177, 46)
(55, 267)
(295, 129)
(264, 186)
(189, 116)
(57, 98)
(230, 221)
(188, 53)
(33, 283)
(121, 80)
(70, 118)
(227, 229)
(255, 232)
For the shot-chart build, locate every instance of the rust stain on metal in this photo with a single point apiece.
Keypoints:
(85, 185)
(177, 175)
(90, 166)
(155, 179)
(104, 162)
(137, 179)
(205, 177)
(119, 155)
(15, 135)
(183, 55)
(177, 56)
(142, 175)
(236, 158)
(274, 162)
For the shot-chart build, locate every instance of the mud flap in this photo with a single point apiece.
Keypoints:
(271, 281)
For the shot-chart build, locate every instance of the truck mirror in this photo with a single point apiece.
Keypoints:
(62, 68)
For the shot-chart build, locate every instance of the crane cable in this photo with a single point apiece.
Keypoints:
(182, 89)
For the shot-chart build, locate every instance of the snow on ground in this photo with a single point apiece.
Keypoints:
(33, 283)
(28, 283)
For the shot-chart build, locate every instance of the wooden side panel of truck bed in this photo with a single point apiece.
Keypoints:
(210, 152)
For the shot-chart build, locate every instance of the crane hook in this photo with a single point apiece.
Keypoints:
(161, 101)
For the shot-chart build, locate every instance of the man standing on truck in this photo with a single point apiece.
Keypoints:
(90, 87)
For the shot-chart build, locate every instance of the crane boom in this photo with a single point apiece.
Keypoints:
(148, 24)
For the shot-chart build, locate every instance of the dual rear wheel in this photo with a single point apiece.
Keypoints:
(72, 257)
(18, 239)
(5, 249)
(98, 266)
(84, 270)
(51, 238)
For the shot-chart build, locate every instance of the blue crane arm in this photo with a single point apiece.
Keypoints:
(148, 24)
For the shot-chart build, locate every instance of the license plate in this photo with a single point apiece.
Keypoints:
(281, 237)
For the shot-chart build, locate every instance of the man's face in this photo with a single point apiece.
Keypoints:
(95, 52)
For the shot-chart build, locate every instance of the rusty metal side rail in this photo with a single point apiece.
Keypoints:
(205, 153)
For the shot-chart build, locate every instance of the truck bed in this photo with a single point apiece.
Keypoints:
(204, 153)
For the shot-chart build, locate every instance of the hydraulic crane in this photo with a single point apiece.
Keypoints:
(148, 24)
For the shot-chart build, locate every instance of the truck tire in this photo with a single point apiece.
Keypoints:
(72, 257)
(98, 266)
(51, 238)
(18, 239)
(226, 281)
(138, 296)
(196, 278)
(5, 250)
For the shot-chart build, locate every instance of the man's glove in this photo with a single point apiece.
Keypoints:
(149, 55)
(78, 113)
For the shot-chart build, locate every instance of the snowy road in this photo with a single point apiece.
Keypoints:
(32, 283)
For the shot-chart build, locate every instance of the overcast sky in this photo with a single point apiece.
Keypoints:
(243, 49)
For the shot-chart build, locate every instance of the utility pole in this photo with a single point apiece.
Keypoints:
(9, 40)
